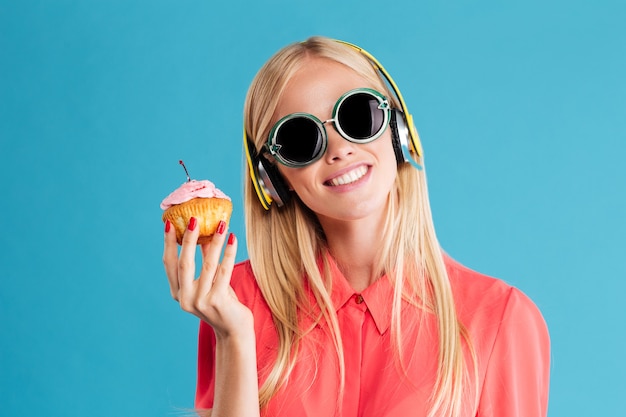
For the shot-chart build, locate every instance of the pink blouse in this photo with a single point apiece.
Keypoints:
(507, 330)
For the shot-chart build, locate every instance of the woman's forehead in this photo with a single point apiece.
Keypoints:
(316, 86)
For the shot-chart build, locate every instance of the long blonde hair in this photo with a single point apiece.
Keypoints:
(412, 256)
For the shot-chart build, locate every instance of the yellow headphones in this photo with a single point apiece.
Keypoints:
(269, 184)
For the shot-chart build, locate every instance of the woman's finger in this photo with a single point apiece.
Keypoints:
(225, 270)
(187, 264)
(170, 258)
(211, 260)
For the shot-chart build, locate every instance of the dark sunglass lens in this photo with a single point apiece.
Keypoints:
(300, 140)
(360, 117)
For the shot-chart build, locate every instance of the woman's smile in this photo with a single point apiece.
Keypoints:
(353, 175)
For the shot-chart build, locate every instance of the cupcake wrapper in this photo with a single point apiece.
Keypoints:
(207, 211)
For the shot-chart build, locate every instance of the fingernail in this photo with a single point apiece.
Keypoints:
(167, 226)
(192, 224)
(221, 226)
(231, 238)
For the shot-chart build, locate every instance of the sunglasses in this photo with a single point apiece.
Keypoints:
(299, 139)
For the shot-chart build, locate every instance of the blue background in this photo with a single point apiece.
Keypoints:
(521, 106)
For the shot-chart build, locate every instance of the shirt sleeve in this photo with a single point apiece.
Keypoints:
(517, 376)
(205, 386)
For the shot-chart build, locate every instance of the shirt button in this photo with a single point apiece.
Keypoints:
(358, 298)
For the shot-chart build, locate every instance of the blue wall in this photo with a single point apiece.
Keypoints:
(521, 107)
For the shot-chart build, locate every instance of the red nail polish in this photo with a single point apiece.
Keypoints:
(231, 238)
(167, 226)
(221, 226)
(192, 224)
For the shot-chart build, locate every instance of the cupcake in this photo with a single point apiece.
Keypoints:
(199, 199)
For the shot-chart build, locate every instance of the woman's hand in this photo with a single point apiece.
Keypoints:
(209, 297)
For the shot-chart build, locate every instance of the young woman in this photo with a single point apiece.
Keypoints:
(348, 305)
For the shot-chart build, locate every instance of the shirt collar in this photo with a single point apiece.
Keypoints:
(378, 297)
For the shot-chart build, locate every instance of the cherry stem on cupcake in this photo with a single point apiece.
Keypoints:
(185, 168)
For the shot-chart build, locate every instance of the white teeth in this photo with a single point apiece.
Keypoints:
(349, 177)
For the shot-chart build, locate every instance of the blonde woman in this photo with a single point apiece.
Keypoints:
(348, 306)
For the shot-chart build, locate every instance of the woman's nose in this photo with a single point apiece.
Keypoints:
(338, 148)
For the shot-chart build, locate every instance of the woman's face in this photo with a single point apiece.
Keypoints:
(350, 181)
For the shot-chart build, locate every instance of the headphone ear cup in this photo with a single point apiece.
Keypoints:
(267, 181)
(399, 134)
(273, 183)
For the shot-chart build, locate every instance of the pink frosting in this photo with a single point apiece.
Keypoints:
(192, 189)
